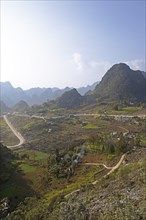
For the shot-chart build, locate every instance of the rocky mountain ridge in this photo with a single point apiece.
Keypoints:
(11, 96)
(121, 83)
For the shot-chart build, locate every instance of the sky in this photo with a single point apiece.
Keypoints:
(69, 43)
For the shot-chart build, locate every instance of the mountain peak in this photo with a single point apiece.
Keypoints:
(6, 84)
(70, 99)
(21, 106)
(121, 83)
(119, 67)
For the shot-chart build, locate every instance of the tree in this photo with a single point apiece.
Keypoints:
(116, 107)
(137, 141)
(111, 148)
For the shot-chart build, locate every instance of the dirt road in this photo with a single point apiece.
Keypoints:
(112, 169)
(16, 133)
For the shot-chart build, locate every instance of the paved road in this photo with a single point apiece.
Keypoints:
(16, 133)
(117, 117)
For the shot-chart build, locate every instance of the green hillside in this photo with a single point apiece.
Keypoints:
(20, 106)
(121, 83)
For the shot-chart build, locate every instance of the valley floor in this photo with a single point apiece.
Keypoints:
(74, 166)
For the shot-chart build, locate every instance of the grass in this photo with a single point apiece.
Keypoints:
(27, 178)
(6, 134)
(111, 156)
(55, 196)
(80, 183)
(27, 168)
(31, 165)
(90, 126)
(93, 148)
(124, 171)
(33, 154)
(143, 139)
(11, 190)
(131, 109)
(126, 110)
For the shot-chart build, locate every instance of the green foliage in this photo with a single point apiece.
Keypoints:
(21, 106)
(110, 146)
(70, 99)
(56, 166)
(7, 166)
(6, 134)
(3, 108)
(132, 109)
(31, 154)
(91, 126)
(26, 168)
(116, 107)
(143, 140)
(44, 172)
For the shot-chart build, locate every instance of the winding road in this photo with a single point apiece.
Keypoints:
(99, 164)
(22, 140)
(16, 133)
(112, 169)
(116, 117)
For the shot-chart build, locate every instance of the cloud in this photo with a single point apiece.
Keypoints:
(92, 68)
(138, 64)
(77, 58)
(102, 66)
(90, 71)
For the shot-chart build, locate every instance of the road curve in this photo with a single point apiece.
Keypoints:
(16, 133)
(99, 164)
(112, 169)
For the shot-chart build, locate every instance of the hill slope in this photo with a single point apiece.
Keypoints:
(20, 106)
(3, 108)
(70, 99)
(121, 83)
(119, 196)
(12, 96)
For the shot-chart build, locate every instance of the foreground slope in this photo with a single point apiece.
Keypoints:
(118, 196)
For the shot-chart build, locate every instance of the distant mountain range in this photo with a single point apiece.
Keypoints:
(3, 107)
(20, 106)
(11, 96)
(120, 83)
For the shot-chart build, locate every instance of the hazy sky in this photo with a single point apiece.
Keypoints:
(69, 43)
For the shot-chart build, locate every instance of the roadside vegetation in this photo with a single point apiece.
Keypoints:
(38, 179)
(6, 134)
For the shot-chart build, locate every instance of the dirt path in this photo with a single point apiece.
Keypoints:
(112, 169)
(99, 164)
(123, 128)
(16, 133)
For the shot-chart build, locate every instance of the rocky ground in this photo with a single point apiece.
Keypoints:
(117, 197)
